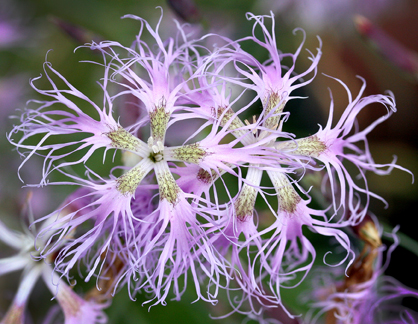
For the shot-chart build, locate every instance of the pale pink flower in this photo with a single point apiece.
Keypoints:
(76, 309)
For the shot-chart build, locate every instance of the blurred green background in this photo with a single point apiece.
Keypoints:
(345, 55)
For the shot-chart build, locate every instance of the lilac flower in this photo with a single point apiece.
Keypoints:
(268, 79)
(108, 210)
(51, 123)
(332, 145)
(287, 253)
(365, 294)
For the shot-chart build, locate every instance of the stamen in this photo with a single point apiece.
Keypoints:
(160, 145)
(157, 149)
(280, 125)
(254, 131)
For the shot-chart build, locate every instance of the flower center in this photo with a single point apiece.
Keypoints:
(157, 150)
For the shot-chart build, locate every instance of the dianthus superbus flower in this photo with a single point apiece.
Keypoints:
(168, 209)
(333, 145)
(364, 294)
(75, 308)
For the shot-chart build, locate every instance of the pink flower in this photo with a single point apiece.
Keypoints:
(52, 124)
(363, 294)
(272, 83)
(76, 309)
(332, 145)
(288, 253)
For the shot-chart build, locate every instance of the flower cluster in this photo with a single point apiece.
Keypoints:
(189, 172)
